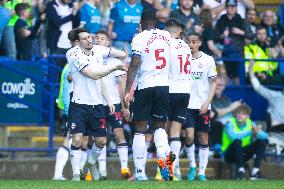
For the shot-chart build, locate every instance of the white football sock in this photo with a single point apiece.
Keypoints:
(62, 156)
(96, 151)
(75, 160)
(161, 142)
(102, 161)
(83, 159)
(203, 159)
(175, 146)
(147, 145)
(254, 170)
(138, 148)
(122, 150)
(191, 155)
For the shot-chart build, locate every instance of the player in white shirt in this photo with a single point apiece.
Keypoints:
(179, 89)
(113, 81)
(62, 154)
(150, 63)
(203, 75)
(86, 111)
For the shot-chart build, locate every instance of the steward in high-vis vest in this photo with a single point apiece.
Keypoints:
(260, 50)
(241, 140)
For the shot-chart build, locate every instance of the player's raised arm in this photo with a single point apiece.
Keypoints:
(105, 70)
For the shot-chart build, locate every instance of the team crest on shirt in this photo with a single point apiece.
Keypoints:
(125, 10)
(199, 65)
(137, 10)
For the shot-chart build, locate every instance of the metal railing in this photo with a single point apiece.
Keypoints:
(51, 92)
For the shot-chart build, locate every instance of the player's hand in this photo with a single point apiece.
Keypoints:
(204, 108)
(122, 67)
(111, 109)
(126, 115)
(126, 100)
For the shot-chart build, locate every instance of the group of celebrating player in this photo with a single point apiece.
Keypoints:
(174, 86)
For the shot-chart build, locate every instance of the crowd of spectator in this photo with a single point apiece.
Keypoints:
(230, 29)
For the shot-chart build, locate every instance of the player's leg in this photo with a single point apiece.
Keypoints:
(62, 156)
(177, 117)
(78, 116)
(85, 174)
(160, 102)
(122, 147)
(141, 109)
(102, 164)
(96, 128)
(189, 141)
(203, 129)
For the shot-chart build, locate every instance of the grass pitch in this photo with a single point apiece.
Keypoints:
(112, 184)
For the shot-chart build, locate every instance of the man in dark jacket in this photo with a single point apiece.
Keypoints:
(62, 16)
(231, 29)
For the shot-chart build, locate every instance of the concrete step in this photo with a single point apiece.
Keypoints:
(26, 131)
(42, 141)
(267, 2)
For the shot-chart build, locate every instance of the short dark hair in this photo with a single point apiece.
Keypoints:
(20, 7)
(102, 32)
(172, 22)
(77, 31)
(148, 16)
(260, 27)
(195, 34)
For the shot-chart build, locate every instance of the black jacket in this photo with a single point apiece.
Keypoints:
(55, 21)
(236, 22)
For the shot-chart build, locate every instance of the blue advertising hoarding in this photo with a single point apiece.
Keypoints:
(22, 87)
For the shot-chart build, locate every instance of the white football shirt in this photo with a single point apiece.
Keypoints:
(154, 48)
(86, 90)
(202, 68)
(179, 70)
(111, 80)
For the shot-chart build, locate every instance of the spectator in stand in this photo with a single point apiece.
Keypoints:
(90, 16)
(230, 29)
(5, 16)
(251, 25)
(39, 9)
(260, 49)
(275, 110)
(25, 35)
(186, 16)
(222, 108)
(161, 8)
(208, 35)
(106, 6)
(269, 21)
(124, 21)
(238, 144)
(218, 7)
(62, 16)
(8, 45)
